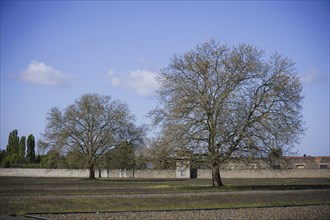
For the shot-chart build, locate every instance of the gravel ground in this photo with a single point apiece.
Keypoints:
(268, 194)
(293, 212)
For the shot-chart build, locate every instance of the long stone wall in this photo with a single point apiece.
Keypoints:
(312, 173)
(151, 174)
(18, 172)
(202, 174)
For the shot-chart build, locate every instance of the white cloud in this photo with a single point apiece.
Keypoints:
(110, 73)
(141, 82)
(111, 76)
(115, 81)
(41, 74)
(312, 76)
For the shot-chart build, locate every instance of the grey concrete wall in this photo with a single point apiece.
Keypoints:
(116, 174)
(154, 174)
(149, 174)
(18, 172)
(202, 174)
(44, 172)
(182, 169)
(312, 173)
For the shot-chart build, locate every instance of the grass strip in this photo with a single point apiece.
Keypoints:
(164, 203)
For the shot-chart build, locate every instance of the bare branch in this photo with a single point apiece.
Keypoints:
(230, 102)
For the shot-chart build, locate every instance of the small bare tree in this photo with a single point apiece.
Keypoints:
(228, 102)
(92, 126)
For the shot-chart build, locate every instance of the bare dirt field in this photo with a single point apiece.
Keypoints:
(293, 212)
(165, 199)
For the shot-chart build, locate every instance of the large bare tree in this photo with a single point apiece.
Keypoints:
(92, 126)
(230, 102)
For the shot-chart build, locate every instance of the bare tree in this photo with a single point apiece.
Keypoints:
(161, 155)
(92, 126)
(228, 102)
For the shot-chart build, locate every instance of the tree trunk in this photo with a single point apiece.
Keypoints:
(91, 172)
(216, 179)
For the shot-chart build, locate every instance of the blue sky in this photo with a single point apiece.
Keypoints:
(52, 52)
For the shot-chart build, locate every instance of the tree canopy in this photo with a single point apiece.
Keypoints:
(21, 148)
(92, 126)
(12, 149)
(30, 154)
(226, 102)
(15, 154)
